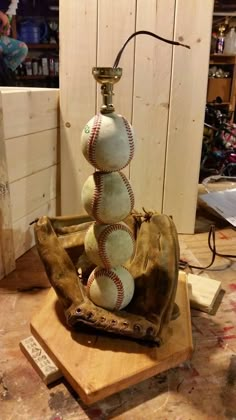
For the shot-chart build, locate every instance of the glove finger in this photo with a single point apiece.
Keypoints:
(154, 266)
(58, 265)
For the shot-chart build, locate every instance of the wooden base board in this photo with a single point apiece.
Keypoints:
(99, 365)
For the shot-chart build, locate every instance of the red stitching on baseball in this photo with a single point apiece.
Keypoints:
(129, 189)
(97, 197)
(114, 278)
(103, 238)
(131, 140)
(89, 282)
(91, 145)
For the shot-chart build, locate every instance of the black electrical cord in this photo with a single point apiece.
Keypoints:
(117, 60)
(212, 247)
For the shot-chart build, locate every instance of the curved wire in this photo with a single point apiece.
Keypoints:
(118, 57)
(212, 247)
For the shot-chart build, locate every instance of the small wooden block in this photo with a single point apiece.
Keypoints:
(40, 361)
(98, 365)
(203, 292)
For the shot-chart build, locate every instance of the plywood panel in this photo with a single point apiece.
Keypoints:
(23, 232)
(29, 154)
(187, 105)
(29, 111)
(151, 101)
(7, 257)
(33, 191)
(116, 22)
(78, 24)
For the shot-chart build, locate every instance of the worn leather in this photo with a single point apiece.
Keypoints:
(154, 266)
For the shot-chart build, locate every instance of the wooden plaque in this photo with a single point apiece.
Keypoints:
(98, 365)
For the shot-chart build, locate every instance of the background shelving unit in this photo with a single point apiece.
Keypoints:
(224, 14)
(229, 62)
(43, 46)
(38, 10)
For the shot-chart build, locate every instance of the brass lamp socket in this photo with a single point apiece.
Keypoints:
(107, 77)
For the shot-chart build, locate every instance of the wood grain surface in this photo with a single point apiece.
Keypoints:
(160, 92)
(7, 255)
(201, 389)
(29, 167)
(96, 365)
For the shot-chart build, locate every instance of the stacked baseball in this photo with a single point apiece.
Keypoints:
(108, 145)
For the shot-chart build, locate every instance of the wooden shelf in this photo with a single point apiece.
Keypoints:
(222, 59)
(222, 55)
(34, 77)
(43, 46)
(224, 14)
(218, 104)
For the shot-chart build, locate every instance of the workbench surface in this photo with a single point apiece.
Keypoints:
(203, 388)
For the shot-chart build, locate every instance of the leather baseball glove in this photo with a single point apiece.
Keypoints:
(154, 266)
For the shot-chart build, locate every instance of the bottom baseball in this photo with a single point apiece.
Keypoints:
(110, 288)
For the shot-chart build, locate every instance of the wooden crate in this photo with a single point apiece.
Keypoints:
(29, 167)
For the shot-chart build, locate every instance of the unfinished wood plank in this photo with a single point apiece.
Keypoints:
(97, 365)
(116, 22)
(151, 101)
(39, 359)
(203, 292)
(187, 106)
(33, 191)
(177, 177)
(29, 111)
(19, 88)
(23, 231)
(29, 154)
(7, 257)
(78, 23)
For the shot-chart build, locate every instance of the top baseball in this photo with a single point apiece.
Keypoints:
(107, 142)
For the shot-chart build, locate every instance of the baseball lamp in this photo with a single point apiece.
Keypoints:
(115, 270)
(108, 144)
(127, 260)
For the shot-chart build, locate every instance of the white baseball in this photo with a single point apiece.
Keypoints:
(107, 197)
(109, 245)
(110, 289)
(107, 142)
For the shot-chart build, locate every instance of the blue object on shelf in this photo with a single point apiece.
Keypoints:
(32, 31)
